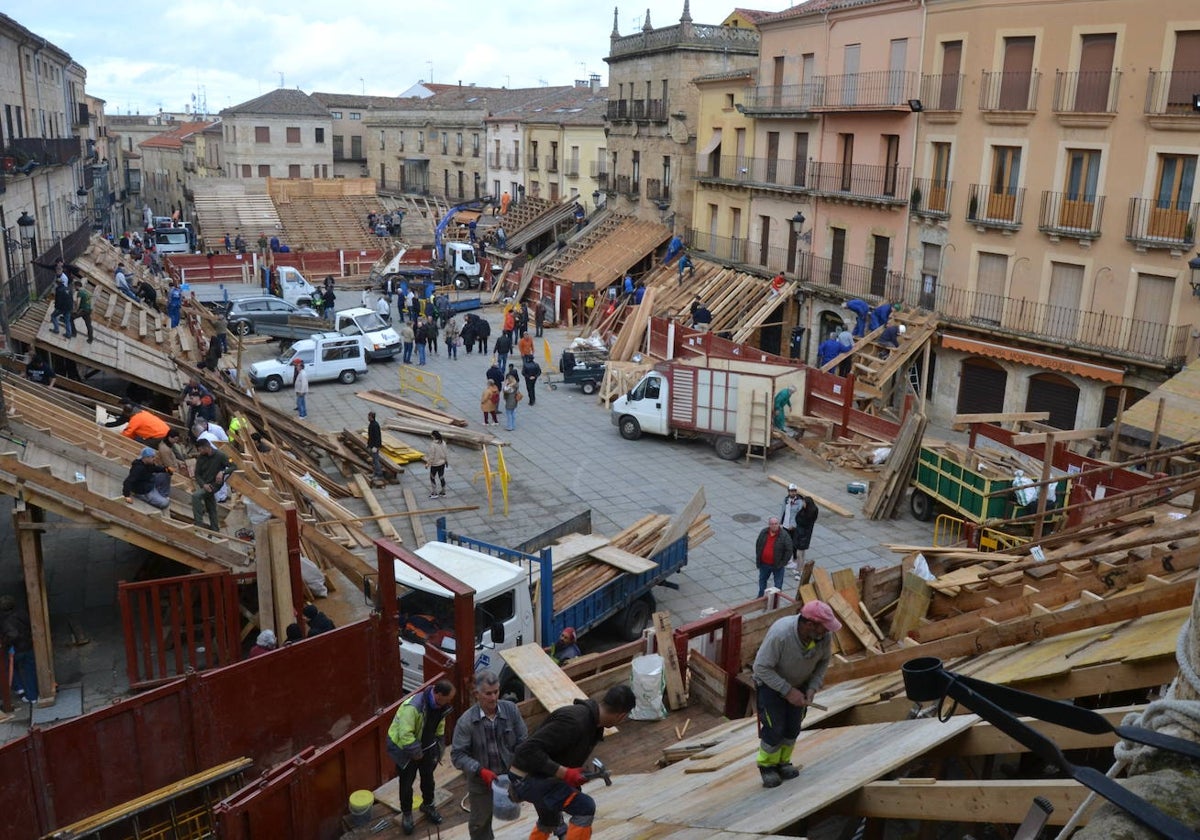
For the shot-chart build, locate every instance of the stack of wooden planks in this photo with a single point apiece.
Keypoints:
(410, 409)
(889, 490)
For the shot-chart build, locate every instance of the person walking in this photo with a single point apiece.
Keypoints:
(793, 506)
(539, 318)
(212, 468)
(530, 371)
(64, 305)
(415, 744)
(450, 334)
(512, 396)
(483, 331)
(421, 336)
(772, 551)
(547, 768)
(375, 443)
(783, 401)
(490, 404)
(83, 309)
(437, 460)
(485, 738)
(789, 670)
(407, 338)
(300, 385)
(525, 346)
(431, 329)
(805, 520)
(503, 348)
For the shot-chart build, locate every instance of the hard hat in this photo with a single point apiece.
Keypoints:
(903, 329)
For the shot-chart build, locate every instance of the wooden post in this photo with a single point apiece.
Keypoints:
(1158, 416)
(239, 361)
(29, 547)
(1044, 489)
(923, 385)
(1114, 446)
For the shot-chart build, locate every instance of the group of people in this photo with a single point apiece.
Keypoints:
(785, 539)
(316, 623)
(72, 300)
(503, 379)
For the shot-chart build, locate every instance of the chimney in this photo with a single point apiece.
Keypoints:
(594, 80)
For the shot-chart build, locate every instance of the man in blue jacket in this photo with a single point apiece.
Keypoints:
(862, 311)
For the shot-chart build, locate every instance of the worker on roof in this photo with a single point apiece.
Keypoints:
(862, 311)
(145, 427)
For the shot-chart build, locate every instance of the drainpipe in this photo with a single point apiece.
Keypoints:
(912, 164)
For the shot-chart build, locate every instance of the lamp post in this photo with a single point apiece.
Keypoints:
(798, 341)
(27, 228)
(1194, 265)
(797, 222)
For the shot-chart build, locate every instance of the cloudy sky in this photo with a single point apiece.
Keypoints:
(141, 56)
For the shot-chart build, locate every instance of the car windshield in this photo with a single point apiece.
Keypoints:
(370, 322)
(287, 356)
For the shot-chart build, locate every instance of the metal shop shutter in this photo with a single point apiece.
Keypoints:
(1055, 394)
(981, 387)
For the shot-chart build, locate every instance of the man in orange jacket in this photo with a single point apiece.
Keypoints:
(145, 427)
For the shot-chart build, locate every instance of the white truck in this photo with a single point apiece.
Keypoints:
(380, 341)
(727, 402)
(293, 286)
(326, 356)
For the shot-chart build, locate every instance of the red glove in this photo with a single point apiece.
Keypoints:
(487, 775)
(574, 777)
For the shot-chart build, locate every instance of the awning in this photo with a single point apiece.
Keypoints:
(713, 143)
(1028, 357)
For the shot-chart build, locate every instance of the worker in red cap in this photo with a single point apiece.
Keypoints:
(565, 648)
(789, 669)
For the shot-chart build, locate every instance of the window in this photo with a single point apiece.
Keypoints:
(1016, 83)
(636, 173)
(458, 144)
(800, 154)
(337, 115)
(729, 102)
(1173, 196)
(246, 171)
(445, 143)
(356, 148)
(850, 58)
(319, 135)
(891, 162)
(293, 134)
(931, 265)
(1079, 188)
(837, 255)
(939, 184)
(1066, 292)
(420, 141)
(846, 148)
(382, 139)
(354, 115)
(1006, 176)
(264, 170)
(338, 147)
(991, 274)
(294, 170)
(666, 176)
(262, 134)
(1095, 72)
(475, 144)
(772, 156)
(1185, 72)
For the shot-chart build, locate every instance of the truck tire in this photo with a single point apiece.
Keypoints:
(511, 687)
(241, 328)
(274, 384)
(630, 428)
(462, 282)
(347, 377)
(921, 505)
(588, 387)
(635, 618)
(728, 449)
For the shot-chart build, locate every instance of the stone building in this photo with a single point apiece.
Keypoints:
(168, 167)
(281, 134)
(653, 110)
(350, 115)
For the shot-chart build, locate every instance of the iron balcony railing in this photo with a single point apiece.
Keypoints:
(571, 168)
(618, 109)
(873, 89)
(1115, 335)
(889, 184)
(1171, 91)
(45, 152)
(512, 161)
(494, 160)
(531, 163)
(623, 185)
(1071, 215)
(788, 174)
(1009, 91)
(784, 98)
(1162, 223)
(602, 180)
(598, 168)
(942, 92)
(551, 163)
(995, 206)
(723, 39)
(930, 197)
(1086, 92)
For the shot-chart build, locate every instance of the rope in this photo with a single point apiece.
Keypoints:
(1168, 712)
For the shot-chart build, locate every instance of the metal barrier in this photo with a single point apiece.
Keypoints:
(947, 530)
(489, 475)
(992, 540)
(428, 384)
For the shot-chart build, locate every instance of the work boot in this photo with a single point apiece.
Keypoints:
(406, 822)
(787, 771)
(770, 776)
(431, 812)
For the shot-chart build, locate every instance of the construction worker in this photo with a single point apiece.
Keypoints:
(862, 311)
(783, 401)
(789, 669)
(549, 764)
(415, 743)
(565, 648)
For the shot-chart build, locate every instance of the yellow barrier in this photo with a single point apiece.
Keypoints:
(415, 379)
(992, 540)
(488, 474)
(550, 366)
(947, 530)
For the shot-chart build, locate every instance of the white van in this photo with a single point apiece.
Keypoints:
(326, 356)
(172, 240)
(380, 340)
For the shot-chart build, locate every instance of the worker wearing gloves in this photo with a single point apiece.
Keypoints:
(485, 738)
(789, 669)
(414, 742)
(548, 765)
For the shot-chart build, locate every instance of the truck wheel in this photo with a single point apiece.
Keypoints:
(461, 281)
(728, 448)
(274, 383)
(635, 618)
(241, 328)
(347, 377)
(588, 387)
(511, 687)
(921, 505)
(630, 428)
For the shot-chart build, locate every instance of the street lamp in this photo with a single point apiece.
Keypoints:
(27, 225)
(797, 222)
(1194, 265)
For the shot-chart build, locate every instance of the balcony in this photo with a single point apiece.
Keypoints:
(858, 182)
(45, 152)
(552, 164)
(1008, 98)
(1169, 99)
(995, 207)
(627, 186)
(618, 109)
(601, 177)
(512, 161)
(783, 100)
(82, 115)
(723, 40)
(930, 198)
(656, 190)
(531, 163)
(493, 160)
(872, 91)
(598, 168)
(571, 168)
(1162, 223)
(642, 110)
(785, 175)
(942, 92)
(1076, 217)
(1092, 93)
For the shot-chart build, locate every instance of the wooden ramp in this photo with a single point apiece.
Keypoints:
(609, 258)
(875, 365)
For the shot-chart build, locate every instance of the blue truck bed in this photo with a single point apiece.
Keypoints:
(595, 607)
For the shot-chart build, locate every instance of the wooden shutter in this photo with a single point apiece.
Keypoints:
(1151, 313)
(1059, 396)
(951, 68)
(1185, 71)
(1066, 290)
(1095, 72)
(989, 287)
(1018, 74)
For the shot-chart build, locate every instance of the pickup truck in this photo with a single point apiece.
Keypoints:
(380, 341)
(504, 580)
(293, 285)
(727, 402)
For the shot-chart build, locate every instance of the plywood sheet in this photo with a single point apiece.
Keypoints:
(624, 560)
(542, 676)
(574, 546)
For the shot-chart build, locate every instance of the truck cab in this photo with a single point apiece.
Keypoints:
(503, 608)
(294, 287)
(643, 409)
(461, 265)
(379, 340)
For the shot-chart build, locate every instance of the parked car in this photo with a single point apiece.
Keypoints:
(270, 315)
(326, 356)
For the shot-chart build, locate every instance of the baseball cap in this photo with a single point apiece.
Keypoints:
(792, 487)
(819, 612)
(147, 452)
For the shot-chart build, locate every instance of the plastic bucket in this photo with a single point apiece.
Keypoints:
(361, 803)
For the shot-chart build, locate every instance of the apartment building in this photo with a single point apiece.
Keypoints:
(350, 115)
(565, 145)
(168, 166)
(1055, 208)
(281, 134)
(653, 111)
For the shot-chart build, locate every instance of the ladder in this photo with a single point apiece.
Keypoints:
(759, 437)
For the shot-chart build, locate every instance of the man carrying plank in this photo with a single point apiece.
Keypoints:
(789, 669)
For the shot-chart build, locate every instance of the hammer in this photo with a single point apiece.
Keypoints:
(598, 771)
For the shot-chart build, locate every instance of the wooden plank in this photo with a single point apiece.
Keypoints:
(414, 518)
(822, 502)
(676, 694)
(682, 523)
(624, 560)
(1000, 417)
(850, 618)
(823, 586)
(915, 595)
(544, 679)
(993, 802)
(1039, 438)
(368, 496)
(573, 547)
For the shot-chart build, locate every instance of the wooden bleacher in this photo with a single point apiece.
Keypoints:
(322, 215)
(232, 206)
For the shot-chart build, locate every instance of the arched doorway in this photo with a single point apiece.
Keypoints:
(981, 385)
(830, 322)
(1055, 394)
(1112, 398)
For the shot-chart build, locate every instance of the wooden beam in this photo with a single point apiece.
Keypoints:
(33, 570)
(414, 518)
(368, 495)
(995, 802)
(999, 417)
(1039, 438)
(676, 695)
(825, 503)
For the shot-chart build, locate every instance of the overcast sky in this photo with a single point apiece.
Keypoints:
(141, 56)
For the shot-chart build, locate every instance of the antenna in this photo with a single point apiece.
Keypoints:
(543, 83)
(364, 85)
(429, 64)
(280, 72)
